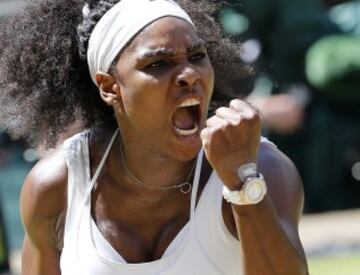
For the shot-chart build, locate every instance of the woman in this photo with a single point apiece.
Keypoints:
(140, 200)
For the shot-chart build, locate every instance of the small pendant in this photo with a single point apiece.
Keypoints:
(186, 188)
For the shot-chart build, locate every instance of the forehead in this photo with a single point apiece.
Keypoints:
(166, 32)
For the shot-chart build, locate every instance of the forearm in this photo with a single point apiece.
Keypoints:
(267, 249)
(268, 232)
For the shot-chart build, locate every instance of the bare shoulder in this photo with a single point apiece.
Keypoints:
(283, 181)
(43, 197)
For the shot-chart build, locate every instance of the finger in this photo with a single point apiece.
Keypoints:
(243, 107)
(228, 113)
(215, 121)
(205, 136)
(253, 106)
(204, 132)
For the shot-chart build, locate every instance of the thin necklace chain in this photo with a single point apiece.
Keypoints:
(184, 187)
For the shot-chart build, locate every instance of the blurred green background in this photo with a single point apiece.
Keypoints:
(328, 253)
(335, 265)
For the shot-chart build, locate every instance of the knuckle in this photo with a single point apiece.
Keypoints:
(210, 120)
(235, 123)
(233, 103)
(252, 116)
(220, 110)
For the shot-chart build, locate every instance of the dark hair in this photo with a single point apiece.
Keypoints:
(44, 80)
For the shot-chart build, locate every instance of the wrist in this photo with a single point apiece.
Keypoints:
(241, 175)
(247, 170)
(232, 182)
(253, 187)
(235, 178)
(252, 192)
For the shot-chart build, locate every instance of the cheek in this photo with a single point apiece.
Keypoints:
(209, 79)
(212, 78)
(145, 97)
(139, 87)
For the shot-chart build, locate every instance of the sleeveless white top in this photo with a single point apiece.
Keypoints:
(203, 247)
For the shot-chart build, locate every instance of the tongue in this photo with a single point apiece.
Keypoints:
(183, 119)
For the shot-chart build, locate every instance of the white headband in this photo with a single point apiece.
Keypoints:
(120, 24)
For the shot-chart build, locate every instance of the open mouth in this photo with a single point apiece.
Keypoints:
(186, 118)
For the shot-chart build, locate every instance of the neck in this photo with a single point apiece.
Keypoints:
(141, 162)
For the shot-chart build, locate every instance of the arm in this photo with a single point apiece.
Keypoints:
(43, 206)
(268, 230)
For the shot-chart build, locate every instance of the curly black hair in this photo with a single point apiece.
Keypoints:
(45, 85)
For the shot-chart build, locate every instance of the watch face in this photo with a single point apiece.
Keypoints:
(254, 190)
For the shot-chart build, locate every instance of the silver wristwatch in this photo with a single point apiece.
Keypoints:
(253, 190)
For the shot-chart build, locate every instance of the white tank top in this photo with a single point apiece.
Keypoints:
(203, 247)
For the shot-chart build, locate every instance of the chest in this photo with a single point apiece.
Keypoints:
(139, 231)
(202, 250)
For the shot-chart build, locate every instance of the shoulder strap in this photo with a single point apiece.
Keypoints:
(196, 182)
(102, 162)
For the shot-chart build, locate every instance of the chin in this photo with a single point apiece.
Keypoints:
(188, 149)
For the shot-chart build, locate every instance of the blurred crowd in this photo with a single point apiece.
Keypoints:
(306, 55)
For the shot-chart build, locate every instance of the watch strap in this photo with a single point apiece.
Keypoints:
(247, 195)
(249, 170)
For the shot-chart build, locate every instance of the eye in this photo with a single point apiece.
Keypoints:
(197, 56)
(157, 64)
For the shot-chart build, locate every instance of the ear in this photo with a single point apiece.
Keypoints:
(108, 87)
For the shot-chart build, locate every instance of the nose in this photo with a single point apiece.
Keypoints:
(187, 77)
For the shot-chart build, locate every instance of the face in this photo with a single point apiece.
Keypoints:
(165, 81)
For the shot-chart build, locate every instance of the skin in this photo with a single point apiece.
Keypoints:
(145, 83)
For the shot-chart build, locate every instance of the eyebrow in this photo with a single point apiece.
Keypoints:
(163, 52)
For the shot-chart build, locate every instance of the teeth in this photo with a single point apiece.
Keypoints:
(189, 102)
(190, 132)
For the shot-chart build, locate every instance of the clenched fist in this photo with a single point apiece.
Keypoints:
(230, 139)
